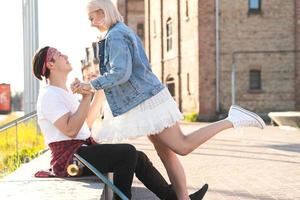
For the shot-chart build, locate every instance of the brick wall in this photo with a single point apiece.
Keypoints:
(189, 56)
(297, 46)
(166, 64)
(270, 30)
(273, 29)
(136, 14)
(207, 70)
(153, 41)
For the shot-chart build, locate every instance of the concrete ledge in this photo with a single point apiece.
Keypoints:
(22, 184)
(287, 120)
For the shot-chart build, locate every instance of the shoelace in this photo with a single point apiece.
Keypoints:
(246, 123)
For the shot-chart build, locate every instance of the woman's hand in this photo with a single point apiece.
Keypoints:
(91, 76)
(75, 85)
(81, 88)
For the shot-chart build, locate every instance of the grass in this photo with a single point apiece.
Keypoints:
(191, 117)
(28, 141)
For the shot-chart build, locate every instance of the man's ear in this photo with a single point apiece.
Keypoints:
(50, 65)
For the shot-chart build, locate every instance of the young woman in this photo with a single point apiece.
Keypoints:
(62, 120)
(139, 104)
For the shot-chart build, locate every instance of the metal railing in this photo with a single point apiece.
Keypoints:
(22, 134)
(18, 121)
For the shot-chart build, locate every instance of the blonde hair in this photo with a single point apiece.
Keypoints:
(111, 12)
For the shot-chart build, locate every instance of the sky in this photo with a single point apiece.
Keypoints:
(63, 24)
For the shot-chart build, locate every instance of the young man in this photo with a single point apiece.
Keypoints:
(63, 122)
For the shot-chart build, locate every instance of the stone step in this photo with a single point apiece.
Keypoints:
(22, 184)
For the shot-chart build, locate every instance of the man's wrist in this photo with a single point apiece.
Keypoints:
(87, 96)
(92, 87)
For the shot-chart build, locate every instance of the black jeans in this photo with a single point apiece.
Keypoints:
(123, 160)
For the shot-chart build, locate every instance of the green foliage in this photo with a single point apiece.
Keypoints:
(18, 145)
(191, 117)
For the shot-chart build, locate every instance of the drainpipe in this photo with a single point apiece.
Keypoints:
(217, 56)
(149, 31)
(162, 41)
(126, 12)
(179, 56)
(297, 68)
(233, 68)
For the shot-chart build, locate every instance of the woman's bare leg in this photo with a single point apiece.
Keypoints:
(172, 140)
(174, 168)
(181, 144)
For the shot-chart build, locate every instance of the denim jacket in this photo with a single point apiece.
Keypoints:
(126, 75)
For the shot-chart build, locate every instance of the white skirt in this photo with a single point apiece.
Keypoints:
(150, 117)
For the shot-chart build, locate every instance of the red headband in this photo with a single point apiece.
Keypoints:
(49, 56)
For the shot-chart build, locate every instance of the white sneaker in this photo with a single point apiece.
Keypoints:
(241, 117)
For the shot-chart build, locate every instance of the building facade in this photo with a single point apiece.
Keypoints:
(133, 12)
(258, 42)
(248, 54)
(134, 17)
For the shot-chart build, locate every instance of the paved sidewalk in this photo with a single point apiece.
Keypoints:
(237, 165)
(244, 164)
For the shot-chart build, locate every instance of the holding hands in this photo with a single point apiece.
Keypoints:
(81, 88)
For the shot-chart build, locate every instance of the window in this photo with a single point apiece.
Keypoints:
(95, 52)
(140, 30)
(169, 34)
(171, 86)
(254, 6)
(255, 80)
(154, 28)
(87, 53)
(188, 83)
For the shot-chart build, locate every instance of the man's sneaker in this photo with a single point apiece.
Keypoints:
(241, 117)
(198, 195)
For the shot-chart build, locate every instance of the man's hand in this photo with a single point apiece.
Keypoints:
(81, 88)
(75, 85)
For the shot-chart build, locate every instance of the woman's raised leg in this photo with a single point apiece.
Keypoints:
(181, 144)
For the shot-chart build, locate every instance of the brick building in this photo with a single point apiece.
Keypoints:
(134, 17)
(256, 37)
(133, 12)
(258, 40)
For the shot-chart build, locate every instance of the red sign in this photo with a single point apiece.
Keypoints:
(5, 102)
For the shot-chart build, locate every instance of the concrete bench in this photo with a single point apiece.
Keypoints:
(22, 184)
(287, 120)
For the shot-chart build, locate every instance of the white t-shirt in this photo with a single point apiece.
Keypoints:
(54, 102)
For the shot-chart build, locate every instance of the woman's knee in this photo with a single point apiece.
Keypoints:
(183, 150)
(180, 147)
(163, 145)
(166, 154)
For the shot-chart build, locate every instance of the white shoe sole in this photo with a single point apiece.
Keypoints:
(251, 114)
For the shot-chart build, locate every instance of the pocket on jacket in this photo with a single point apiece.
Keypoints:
(124, 93)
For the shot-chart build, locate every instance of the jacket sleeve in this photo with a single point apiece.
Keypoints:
(120, 61)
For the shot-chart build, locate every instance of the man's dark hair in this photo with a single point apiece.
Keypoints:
(38, 62)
